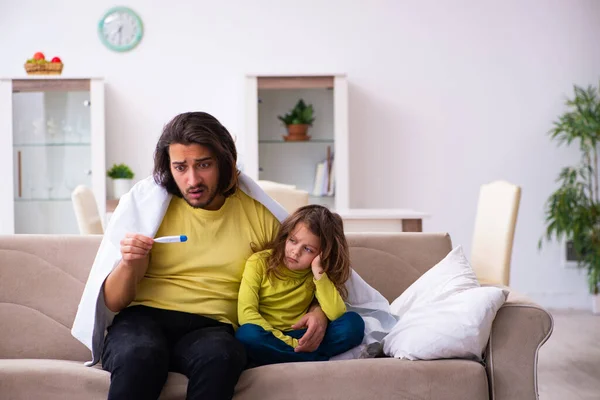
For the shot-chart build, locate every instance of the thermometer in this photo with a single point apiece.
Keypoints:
(171, 239)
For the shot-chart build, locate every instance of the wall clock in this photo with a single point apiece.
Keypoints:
(120, 29)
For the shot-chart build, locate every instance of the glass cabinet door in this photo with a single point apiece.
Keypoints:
(52, 155)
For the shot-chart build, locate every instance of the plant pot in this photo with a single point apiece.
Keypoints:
(596, 304)
(120, 187)
(297, 132)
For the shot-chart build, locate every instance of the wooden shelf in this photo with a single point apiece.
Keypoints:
(295, 82)
(44, 85)
(65, 144)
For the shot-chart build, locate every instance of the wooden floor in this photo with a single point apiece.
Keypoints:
(569, 362)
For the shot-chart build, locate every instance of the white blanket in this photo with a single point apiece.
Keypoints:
(374, 310)
(141, 211)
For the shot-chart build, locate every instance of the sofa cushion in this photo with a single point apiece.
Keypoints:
(379, 378)
(66, 380)
(42, 280)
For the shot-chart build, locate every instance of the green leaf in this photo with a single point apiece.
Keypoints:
(300, 114)
(120, 171)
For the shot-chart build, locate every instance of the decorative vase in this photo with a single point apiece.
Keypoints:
(596, 304)
(120, 187)
(297, 132)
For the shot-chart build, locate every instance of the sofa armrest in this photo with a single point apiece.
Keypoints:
(520, 328)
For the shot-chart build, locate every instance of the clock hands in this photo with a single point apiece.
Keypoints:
(120, 32)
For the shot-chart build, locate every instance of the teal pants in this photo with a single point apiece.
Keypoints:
(264, 348)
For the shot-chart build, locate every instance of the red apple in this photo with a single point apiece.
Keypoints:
(39, 56)
(56, 60)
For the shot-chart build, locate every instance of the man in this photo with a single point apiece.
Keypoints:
(177, 302)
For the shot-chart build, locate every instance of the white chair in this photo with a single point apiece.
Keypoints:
(86, 211)
(494, 232)
(288, 196)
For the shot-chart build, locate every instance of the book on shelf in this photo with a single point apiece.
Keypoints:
(331, 191)
(325, 177)
(319, 179)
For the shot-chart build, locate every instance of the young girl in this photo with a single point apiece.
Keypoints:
(309, 258)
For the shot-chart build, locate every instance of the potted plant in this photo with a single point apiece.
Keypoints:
(573, 210)
(122, 177)
(297, 121)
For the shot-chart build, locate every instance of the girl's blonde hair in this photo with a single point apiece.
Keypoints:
(329, 228)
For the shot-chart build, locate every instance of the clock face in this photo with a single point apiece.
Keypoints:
(120, 29)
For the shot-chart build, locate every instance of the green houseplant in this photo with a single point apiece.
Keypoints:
(297, 121)
(573, 210)
(122, 177)
(120, 171)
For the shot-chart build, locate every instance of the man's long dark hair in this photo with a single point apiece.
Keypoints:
(203, 129)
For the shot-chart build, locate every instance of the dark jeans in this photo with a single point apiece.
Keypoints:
(264, 348)
(143, 344)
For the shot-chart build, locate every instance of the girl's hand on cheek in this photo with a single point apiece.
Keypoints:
(317, 268)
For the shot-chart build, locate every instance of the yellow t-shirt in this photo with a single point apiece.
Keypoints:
(202, 275)
(277, 304)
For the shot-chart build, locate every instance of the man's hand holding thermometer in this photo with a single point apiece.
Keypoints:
(135, 246)
(121, 285)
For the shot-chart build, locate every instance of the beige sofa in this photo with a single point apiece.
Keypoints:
(42, 278)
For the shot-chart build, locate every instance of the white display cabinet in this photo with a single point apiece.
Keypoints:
(267, 156)
(52, 139)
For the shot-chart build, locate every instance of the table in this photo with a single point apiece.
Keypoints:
(382, 220)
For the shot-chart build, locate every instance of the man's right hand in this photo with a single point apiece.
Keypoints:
(121, 284)
(136, 247)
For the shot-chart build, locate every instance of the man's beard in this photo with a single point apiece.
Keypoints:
(211, 196)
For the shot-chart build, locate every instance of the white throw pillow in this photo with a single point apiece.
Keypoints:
(451, 275)
(444, 314)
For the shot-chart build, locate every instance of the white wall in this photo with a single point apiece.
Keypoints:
(444, 96)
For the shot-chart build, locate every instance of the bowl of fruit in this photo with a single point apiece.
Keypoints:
(38, 65)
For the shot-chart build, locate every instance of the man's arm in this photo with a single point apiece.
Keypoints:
(315, 322)
(120, 287)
